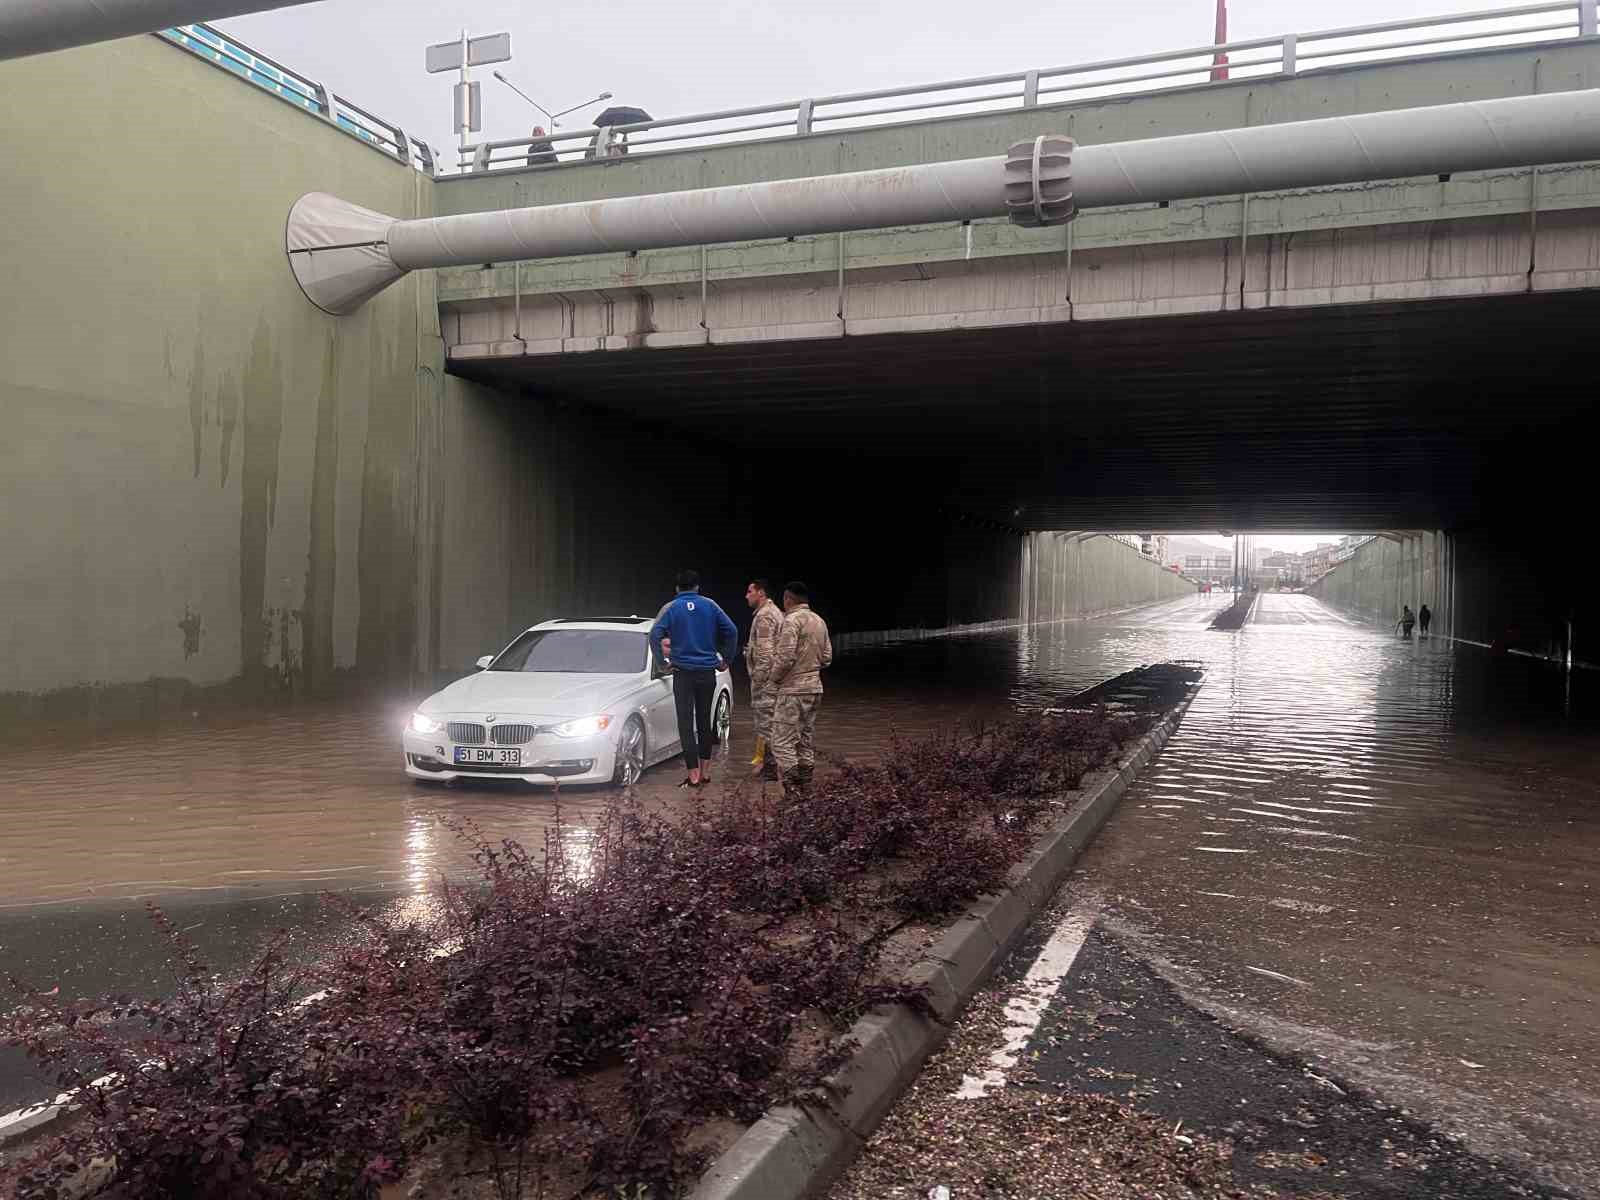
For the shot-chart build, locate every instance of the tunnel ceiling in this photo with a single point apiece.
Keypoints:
(1365, 416)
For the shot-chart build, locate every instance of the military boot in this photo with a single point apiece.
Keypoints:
(793, 789)
(804, 770)
(769, 770)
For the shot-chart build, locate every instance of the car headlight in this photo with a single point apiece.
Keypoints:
(422, 724)
(582, 727)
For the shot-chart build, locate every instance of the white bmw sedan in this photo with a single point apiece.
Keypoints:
(570, 701)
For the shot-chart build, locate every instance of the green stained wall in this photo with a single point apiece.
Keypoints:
(207, 482)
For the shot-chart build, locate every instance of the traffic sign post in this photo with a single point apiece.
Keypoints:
(460, 55)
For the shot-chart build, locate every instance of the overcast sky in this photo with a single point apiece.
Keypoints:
(676, 58)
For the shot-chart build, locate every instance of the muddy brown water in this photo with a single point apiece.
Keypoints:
(1391, 845)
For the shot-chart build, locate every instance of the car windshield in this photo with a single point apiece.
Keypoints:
(575, 651)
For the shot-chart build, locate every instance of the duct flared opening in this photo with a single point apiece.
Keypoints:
(339, 252)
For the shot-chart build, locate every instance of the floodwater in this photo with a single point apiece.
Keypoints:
(314, 798)
(1385, 856)
(1382, 851)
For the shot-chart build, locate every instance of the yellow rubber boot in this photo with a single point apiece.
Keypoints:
(761, 752)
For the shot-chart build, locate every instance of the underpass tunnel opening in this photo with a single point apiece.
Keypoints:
(906, 476)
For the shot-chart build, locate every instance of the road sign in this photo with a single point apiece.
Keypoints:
(446, 56)
(469, 107)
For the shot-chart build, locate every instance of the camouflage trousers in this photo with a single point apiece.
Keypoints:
(762, 704)
(794, 723)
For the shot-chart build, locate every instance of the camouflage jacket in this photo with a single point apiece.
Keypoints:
(763, 643)
(804, 648)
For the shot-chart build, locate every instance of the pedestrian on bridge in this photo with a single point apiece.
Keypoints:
(804, 649)
(758, 656)
(702, 639)
(541, 153)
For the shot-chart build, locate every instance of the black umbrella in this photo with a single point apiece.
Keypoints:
(621, 114)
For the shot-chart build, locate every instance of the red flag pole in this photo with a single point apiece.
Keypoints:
(1219, 63)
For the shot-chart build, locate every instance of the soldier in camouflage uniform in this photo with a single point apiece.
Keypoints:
(758, 652)
(804, 649)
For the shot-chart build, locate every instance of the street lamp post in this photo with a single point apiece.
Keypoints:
(553, 118)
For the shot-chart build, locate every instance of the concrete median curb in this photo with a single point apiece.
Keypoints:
(795, 1151)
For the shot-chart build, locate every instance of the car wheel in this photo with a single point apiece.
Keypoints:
(630, 754)
(722, 719)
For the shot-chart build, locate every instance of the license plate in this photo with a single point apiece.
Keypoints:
(487, 756)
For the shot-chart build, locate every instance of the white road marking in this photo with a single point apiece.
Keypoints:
(1278, 975)
(1037, 989)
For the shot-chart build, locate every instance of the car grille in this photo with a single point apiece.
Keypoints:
(465, 733)
(512, 735)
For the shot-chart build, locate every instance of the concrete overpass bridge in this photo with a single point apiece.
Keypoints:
(222, 487)
(1319, 347)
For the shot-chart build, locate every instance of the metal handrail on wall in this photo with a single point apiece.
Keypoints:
(1283, 55)
(254, 67)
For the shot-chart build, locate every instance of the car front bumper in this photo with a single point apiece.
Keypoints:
(547, 759)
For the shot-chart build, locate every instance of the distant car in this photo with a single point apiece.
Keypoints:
(569, 701)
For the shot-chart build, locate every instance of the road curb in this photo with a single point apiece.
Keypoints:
(795, 1151)
(26, 1124)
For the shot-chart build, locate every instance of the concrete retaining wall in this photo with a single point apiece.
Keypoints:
(213, 492)
(207, 482)
(1386, 573)
(1515, 587)
(1071, 576)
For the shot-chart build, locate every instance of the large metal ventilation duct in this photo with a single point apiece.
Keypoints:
(37, 26)
(343, 254)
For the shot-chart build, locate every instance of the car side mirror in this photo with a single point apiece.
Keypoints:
(483, 663)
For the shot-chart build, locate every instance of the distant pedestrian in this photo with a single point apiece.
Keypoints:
(540, 150)
(1406, 621)
(804, 650)
(758, 655)
(1424, 616)
(702, 639)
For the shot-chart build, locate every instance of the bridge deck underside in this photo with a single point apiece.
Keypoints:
(1424, 414)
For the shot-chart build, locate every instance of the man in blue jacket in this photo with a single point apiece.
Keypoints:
(703, 639)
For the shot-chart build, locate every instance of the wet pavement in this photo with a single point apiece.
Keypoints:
(1378, 852)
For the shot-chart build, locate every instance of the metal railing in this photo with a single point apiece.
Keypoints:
(307, 94)
(1258, 58)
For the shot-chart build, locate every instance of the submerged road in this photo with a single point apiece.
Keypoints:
(1379, 854)
(1375, 856)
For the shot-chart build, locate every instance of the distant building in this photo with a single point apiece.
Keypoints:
(1318, 562)
(1281, 568)
(1216, 567)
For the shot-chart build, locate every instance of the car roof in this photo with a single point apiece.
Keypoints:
(632, 624)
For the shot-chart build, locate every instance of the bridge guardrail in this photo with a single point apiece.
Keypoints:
(1282, 55)
(1255, 58)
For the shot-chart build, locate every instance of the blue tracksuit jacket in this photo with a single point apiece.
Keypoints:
(699, 630)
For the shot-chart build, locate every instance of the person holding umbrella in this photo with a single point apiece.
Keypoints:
(617, 144)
